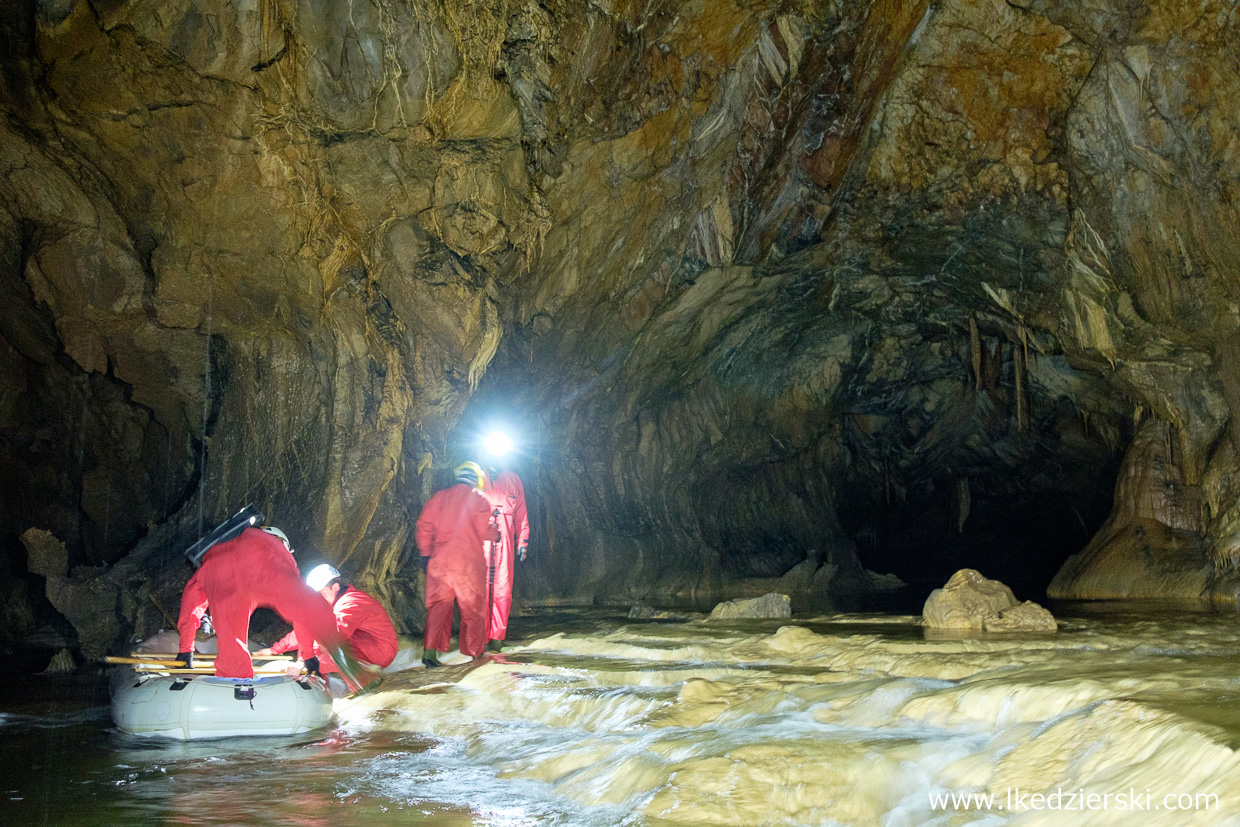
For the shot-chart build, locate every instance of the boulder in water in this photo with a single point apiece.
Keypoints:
(1027, 617)
(768, 605)
(651, 613)
(970, 601)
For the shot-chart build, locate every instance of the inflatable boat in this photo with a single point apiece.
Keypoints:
(192, 706)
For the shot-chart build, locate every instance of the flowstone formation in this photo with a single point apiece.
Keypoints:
(783, 294)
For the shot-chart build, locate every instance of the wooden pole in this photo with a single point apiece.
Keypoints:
(171, 662)
(200, 656)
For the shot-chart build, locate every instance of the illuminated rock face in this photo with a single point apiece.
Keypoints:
(841, 285)
(971, 602)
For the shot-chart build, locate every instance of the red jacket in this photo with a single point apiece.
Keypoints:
(453, 526)
(508, 495)
(366, 625)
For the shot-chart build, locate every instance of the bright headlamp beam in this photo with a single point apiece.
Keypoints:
(497, 444)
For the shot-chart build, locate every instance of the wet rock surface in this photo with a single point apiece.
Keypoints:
(651, 613)
(767, 606)
(1026, 617)
(970, 601)
(909, 285)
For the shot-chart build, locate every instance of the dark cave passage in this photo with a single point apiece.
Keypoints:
(1019, 539)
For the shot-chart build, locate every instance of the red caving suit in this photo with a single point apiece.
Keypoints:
(366, 625)
(451, 531)
(508, 495)
(236, 577)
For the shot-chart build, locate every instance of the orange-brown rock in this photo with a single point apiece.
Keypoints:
(901, 283)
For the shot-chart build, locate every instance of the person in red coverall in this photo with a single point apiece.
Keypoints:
(359, 617)
(451, 530)
(254, 569)
(507, 496)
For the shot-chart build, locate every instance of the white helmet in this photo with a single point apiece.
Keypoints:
(320, 576)
(278, 534)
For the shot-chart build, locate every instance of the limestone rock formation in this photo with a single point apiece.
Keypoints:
(1026, 617)
(903, 283)
(87, 597)
(45, 554)
(651, 613)
(1154, 544)
(767, 606)
(970, 601)
(61, 662)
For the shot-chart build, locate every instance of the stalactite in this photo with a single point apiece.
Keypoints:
(964, 502)
(1022, 397)
(992, 363)
(491, 336)
(975, 347)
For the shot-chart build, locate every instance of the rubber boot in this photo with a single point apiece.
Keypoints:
(495, 645)
(430, 658)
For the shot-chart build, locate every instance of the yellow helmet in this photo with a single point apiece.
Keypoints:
(472, 474)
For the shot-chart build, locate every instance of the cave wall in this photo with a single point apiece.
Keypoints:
(774, 284)
(942, 258)
(234, 284)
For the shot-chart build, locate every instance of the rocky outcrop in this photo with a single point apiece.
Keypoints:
(1025, 617)
(767, 606)
(88, 597)
(651, 613)
(972, 602)
(1154, 544)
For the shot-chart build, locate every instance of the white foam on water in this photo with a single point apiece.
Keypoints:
(810, 727)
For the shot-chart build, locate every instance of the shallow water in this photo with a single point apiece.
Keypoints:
(855, 719)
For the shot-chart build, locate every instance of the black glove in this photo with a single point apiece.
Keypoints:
(311, 665)
(522, 550)
(186, 658)
(423, 562)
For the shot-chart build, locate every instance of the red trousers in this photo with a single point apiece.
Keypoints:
(469, 591)
(507, 495)
(502, 557)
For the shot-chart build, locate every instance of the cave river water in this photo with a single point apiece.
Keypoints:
(1122, 717)
(853, 720)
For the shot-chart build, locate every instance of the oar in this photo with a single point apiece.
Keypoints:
(206, 671)
(201, 656)
(172, 662)
(144, 665)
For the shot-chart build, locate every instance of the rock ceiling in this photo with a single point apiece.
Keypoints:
(769, 286)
